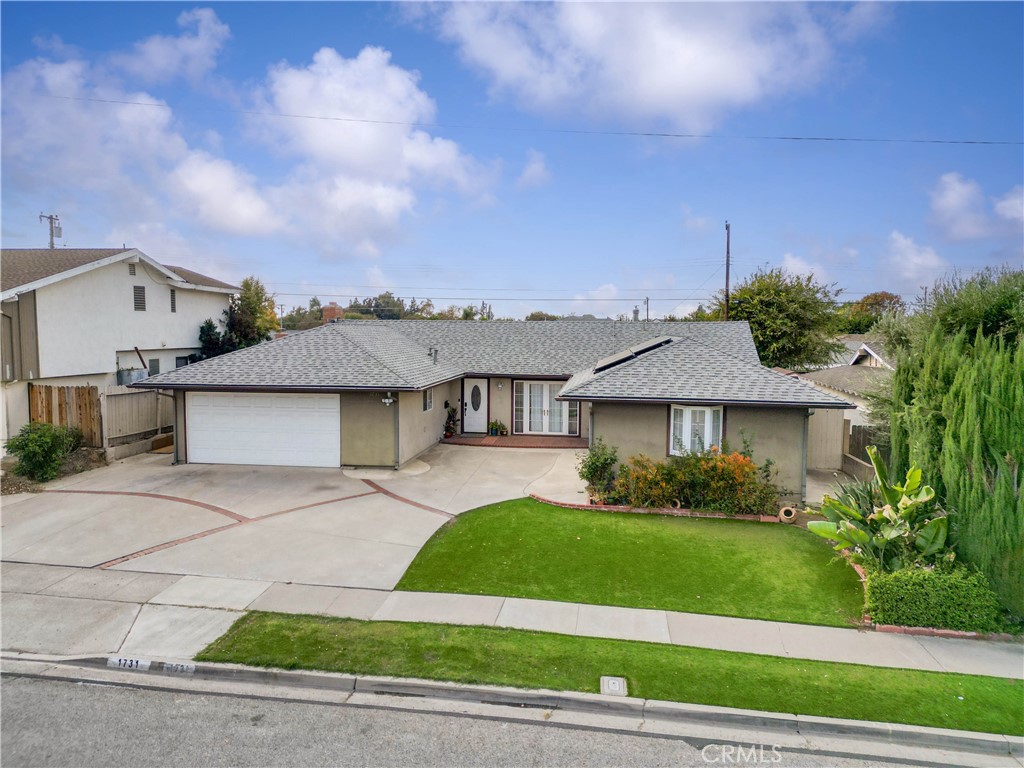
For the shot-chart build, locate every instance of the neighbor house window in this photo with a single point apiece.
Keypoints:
(428, 399)
(174, 301)
(180, 362)
(695, 429)
(154, 366)
(140, 298)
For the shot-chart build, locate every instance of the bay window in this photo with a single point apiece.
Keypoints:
(695, 429)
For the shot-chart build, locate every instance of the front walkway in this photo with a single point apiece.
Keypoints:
(76, 611)
(519, 441)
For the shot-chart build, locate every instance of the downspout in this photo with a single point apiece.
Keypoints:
(803, 458)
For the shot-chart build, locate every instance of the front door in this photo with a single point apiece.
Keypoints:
(474, 405)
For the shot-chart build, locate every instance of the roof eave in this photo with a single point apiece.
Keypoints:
(712, 400)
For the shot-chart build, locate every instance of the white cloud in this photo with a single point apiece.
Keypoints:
(355, 178)
(682, 63)
(913, 261)
(535, 172)
(600, 301)
(223, 197)
(344, 188)
(958, 207)
(798, 266)
(1011, 205)
(692, 222)
(192, 54)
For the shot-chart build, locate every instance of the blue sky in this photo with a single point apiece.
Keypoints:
(490, 152)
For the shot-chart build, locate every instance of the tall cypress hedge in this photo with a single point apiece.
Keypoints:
(981, 454)
(956, 409)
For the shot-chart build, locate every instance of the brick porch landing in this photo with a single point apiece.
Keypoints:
(518, 441)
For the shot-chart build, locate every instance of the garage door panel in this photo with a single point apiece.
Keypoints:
(264, 428)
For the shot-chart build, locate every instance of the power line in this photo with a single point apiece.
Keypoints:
(564, 131)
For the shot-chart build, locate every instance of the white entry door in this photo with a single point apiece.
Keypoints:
(474, 405)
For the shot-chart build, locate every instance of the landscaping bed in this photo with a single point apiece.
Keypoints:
(488, 655)
(524, 548)
(81, 460)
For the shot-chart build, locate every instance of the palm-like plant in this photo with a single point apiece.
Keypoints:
(905, 529)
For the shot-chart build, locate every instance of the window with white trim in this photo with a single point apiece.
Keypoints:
(695, 429)
(428, 399)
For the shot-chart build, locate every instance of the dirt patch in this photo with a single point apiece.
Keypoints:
(81, 460)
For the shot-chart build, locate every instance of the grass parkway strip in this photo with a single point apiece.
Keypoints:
(525, 548)
(488, 655)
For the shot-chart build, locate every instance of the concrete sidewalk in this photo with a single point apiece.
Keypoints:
(63, 610)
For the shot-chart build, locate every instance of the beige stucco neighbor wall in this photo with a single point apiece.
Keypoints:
(367, 430)
(773, 433)
(418, 430)
(633, 428)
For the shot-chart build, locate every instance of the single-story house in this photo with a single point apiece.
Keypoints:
(374, 392)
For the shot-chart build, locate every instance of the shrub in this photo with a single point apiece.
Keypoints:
(643, 482)
(41, 448)
(710, 480)
(946, 598)
(597, 467)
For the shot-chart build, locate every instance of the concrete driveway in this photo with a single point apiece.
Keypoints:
(353, 528)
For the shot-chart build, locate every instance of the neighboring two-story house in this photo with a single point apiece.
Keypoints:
(77, 316)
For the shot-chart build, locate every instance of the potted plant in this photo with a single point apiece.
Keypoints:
(502, 429)
(493, 427)
(451, 423)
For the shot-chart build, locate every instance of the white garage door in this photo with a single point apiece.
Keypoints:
(272, 429)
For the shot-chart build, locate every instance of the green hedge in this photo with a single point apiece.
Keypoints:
(923, 597)
(41, 448)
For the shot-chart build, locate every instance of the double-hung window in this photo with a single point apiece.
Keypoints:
(695, 429)
(428, 399)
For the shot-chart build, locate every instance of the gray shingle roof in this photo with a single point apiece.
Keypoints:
(383, 354)
(689, 370)
(855, 379)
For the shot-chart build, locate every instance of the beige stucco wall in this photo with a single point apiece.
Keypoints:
(633, 428)
(180, 443)
(418, 430)
(367, 430)
(776, 434)
(501, 402)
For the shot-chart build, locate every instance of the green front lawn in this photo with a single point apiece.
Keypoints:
(665, 672)
(524, 548)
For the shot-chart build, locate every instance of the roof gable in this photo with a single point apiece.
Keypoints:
(26, 269)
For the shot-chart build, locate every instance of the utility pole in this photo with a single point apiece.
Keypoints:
(55, 228)
(281, 322)
(726, 271)
(647, 303)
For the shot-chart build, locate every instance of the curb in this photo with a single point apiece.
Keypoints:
(674, 712)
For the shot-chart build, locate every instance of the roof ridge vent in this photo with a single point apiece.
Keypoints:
(632, 353)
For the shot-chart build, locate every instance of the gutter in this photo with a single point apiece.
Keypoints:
(706, 401)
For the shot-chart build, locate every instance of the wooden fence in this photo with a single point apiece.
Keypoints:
(77, 407)
(860, 439)
(135, 415)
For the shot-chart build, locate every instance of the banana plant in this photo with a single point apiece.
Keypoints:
(903, 530)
